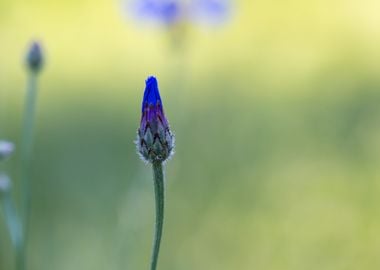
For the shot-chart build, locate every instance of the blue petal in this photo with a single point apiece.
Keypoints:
(151, 94)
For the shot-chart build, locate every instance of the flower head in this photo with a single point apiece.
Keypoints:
(172, 12)
(163, 11)
(155, 142)
(34, 57)
(6, 149)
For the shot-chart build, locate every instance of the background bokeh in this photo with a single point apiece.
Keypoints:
(277, 120)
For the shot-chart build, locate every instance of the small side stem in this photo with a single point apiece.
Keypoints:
(159, 190)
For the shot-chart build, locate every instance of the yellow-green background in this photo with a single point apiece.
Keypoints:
(277, 120)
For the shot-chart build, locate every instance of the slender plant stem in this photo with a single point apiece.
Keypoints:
(159, 190)
(15, 229)
(26, 156)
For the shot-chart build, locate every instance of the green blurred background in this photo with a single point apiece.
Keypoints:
(277, 122)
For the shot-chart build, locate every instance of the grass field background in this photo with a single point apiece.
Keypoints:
(276, 114)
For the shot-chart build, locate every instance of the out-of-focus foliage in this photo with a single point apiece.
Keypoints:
(277, 122)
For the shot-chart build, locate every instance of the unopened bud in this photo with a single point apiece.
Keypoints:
(155, 142)
(34, 57)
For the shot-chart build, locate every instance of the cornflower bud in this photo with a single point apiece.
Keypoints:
(34, 57)
(155, 142)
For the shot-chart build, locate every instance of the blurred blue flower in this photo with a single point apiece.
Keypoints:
(210, 11)
(172, 12)
(167, 12)
(6, 149)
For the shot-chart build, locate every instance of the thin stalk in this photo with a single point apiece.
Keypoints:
(26, 156)
(159, 190)
(15, 230)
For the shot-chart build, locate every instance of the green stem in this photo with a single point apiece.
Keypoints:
(26, 156)
(159, 190)
(15, 230)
